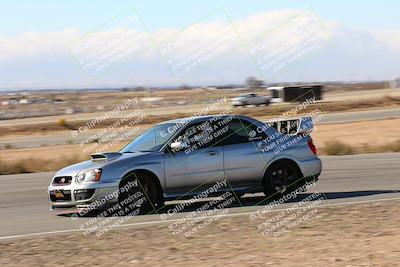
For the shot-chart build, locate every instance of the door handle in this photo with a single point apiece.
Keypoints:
(212, 153)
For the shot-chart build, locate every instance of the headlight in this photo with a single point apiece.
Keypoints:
(89, 176)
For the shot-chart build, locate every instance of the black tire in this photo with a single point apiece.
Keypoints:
(281, 177)
(144, 198)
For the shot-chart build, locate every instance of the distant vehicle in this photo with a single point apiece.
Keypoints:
(183, 157)
(250, 99)
(299, 93)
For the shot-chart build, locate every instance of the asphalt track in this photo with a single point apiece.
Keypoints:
(345, 180)
(65, 138)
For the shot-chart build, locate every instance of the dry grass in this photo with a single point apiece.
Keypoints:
(51, 152)
(390, 147)
(339, 148)
(357, 134)
(49, 158)
(50, 163)
(38, 165)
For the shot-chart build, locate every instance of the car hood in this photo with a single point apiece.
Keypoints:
(99, 160)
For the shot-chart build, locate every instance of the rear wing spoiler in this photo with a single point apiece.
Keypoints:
(295, 126)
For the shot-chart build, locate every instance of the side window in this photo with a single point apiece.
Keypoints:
(195, 136)
(239, 131)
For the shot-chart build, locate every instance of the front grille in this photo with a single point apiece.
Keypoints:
(62, 180)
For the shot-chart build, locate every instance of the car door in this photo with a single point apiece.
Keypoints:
(244, 158)
(196, 165)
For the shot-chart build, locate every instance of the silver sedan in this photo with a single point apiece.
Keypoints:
(187, 156)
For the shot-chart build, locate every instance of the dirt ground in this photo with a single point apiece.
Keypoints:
(375, 132)
(52, 124)
(172, 100)
(351, 235)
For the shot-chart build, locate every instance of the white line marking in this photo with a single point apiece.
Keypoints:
(205, 217)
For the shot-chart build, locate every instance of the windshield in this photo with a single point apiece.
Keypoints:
(151, 140)
(247, 95)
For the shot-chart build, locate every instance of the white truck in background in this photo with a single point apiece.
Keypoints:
(250, 99)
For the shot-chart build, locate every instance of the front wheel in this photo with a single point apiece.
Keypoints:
(140, 194)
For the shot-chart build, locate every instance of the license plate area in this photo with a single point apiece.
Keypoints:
(60, 195)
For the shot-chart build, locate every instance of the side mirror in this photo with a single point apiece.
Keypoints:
(178, 145)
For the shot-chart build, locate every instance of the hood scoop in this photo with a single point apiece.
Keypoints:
(105, 156)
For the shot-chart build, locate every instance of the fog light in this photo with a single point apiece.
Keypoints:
(83, 194)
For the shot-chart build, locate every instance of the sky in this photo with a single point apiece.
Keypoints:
(82, 43)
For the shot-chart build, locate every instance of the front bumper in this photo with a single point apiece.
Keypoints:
(81, 196)
(237, 103)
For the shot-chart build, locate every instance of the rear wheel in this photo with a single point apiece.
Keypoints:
(281, 176)
(141, 194)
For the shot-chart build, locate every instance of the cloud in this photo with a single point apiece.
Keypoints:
(214, 44)
(388, 37)
(33, 45)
